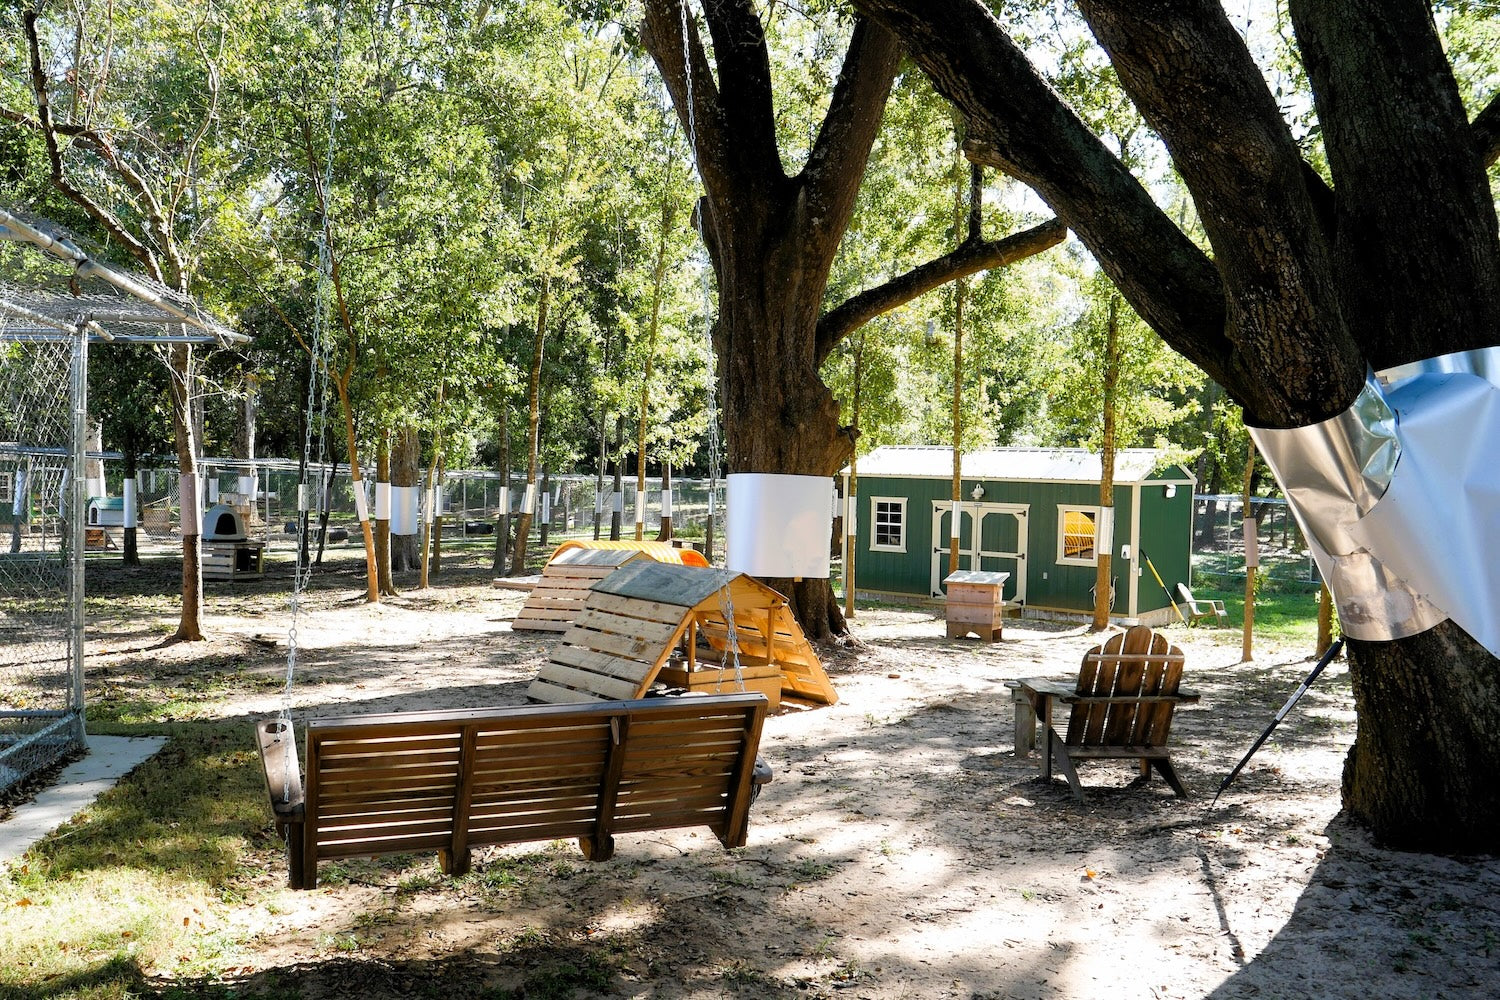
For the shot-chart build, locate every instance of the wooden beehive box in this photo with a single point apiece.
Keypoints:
(976, 603)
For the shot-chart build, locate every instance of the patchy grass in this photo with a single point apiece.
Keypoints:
(1284, 612)
(167, 848)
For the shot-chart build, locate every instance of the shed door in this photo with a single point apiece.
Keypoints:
(1002, 545)
(942, 520)
(999, 546)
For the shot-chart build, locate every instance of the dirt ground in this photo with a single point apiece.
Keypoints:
(902, 849)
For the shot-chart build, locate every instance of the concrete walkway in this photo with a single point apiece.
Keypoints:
(79, 784)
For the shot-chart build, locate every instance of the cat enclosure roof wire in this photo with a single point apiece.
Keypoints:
(134, 309)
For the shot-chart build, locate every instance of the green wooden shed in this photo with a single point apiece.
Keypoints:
(1030, 512)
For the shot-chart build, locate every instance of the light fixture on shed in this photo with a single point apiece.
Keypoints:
(978, 491)
(1170, 491)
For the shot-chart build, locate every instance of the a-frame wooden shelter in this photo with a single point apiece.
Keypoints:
(559, 596)
(681, 625)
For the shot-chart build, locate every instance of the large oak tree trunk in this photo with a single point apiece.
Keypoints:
(772, 239)
(779, 417)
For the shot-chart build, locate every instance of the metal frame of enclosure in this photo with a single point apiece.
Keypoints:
(45, 336)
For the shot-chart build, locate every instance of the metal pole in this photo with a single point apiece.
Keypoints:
(76, 503)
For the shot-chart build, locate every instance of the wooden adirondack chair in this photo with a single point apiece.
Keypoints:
(1121, 707)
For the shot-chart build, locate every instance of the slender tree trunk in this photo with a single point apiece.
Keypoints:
(502, 519)
(533, 418)
(130, 545)
(617, 461)
(544, 509)
(599, 475)
(1103, 583)
(1252, 524)
(435, 529)
(658, 282)
(325, 506)
(406, 474)
(357, 483)
(665, 534)
(383, 524)
(180, 380)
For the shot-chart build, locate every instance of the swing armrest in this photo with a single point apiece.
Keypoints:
(278, 760)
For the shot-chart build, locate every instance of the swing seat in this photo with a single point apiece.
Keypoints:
(451, 781)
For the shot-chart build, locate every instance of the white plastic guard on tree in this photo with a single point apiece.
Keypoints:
(1252, 543)
(640, 506)
(382, 501)
(247, 486)
(528, 499)
(427, 506)
(851, 514)
(361, 502)
(1104, 531)
(546, 516)
(779, 525)
(213, 490)
(404, 514)
(1397, 498)
(128, 513)
(304, 501)
(503, 502)
(599, 496)
(666, 503)
(187, 491)
(617, 502)
(956, 522)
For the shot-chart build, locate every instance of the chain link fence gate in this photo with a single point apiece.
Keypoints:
(41, 555)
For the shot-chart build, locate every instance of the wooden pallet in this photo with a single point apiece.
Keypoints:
(559, 597)
(614, 650)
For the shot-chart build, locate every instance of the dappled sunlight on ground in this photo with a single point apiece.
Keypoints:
(902, 849)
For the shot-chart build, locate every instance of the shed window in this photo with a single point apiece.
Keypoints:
(888, 521)
(1077, 529)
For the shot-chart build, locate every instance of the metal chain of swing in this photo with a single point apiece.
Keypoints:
(314, 442)
(726, 599)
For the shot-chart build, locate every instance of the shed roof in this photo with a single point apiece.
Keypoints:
(1066, 465)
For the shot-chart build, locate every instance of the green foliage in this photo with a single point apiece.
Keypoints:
(1154, 381)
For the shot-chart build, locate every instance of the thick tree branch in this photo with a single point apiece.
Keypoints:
(43, 123)
(1019, 124)
(1393, 121)
(849, 128)
(1188, 71)
(972, 256)
(744, 64)
(1487, 132)
(684, 68)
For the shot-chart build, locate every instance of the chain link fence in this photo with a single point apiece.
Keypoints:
(41, 712)
(265, 491)
(1219, 539)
